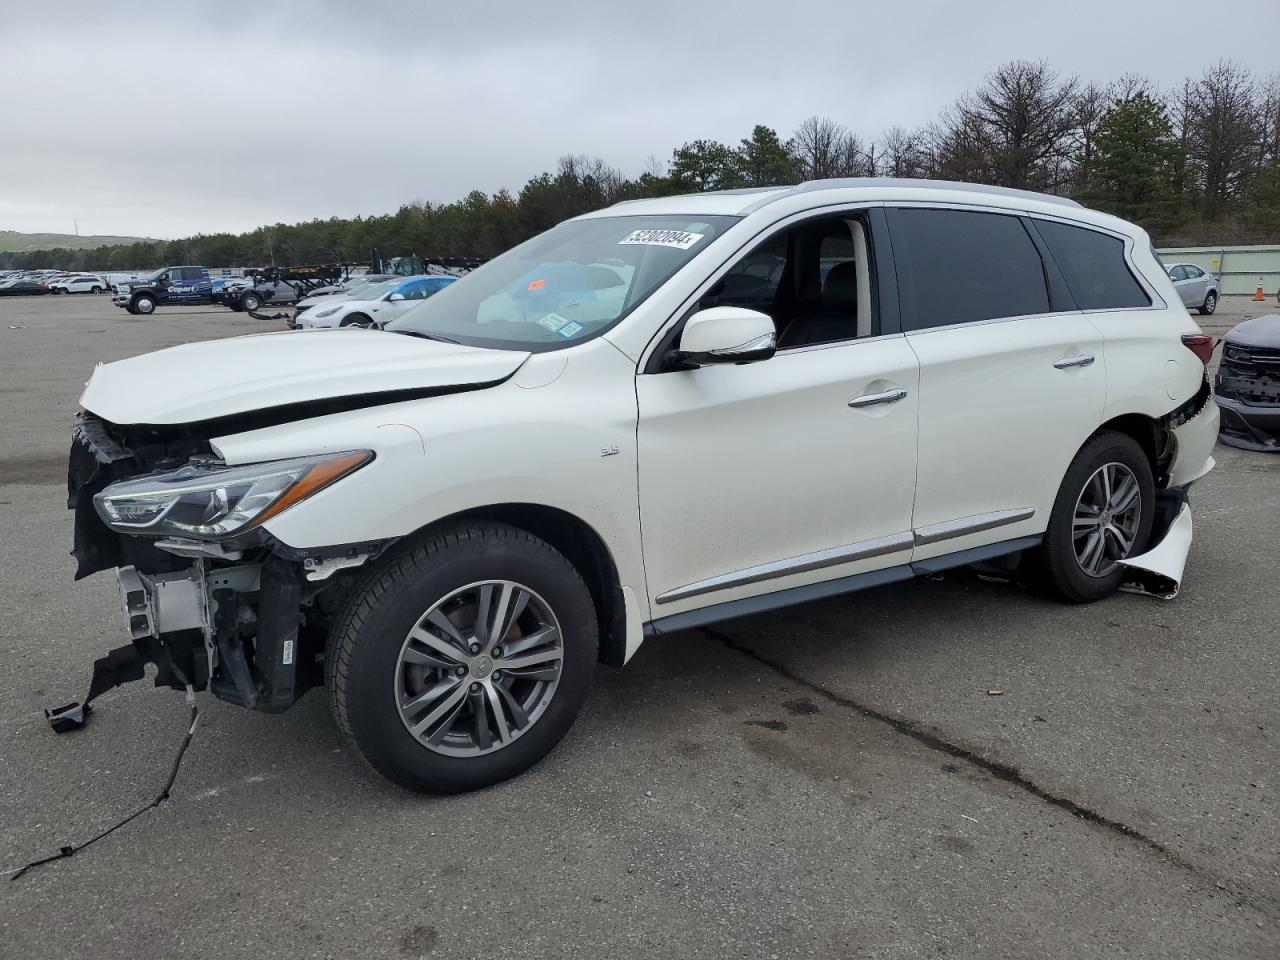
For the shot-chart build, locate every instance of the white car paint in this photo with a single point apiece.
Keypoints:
(378, 305)
(79, 285)
(202, 381)
(764, 473)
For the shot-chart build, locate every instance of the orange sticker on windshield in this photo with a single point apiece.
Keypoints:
(536, 284)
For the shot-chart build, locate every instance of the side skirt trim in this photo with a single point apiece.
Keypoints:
(967, 525)
(831, 588)
(793, 565)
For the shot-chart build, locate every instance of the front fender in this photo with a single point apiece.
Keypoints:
(561, 433)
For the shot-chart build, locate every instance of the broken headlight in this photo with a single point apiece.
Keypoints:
(211, 500)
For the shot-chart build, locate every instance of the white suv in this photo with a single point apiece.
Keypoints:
(650, 418)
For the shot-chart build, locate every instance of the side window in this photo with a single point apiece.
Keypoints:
(753, 281)
(814, 279)
(1193, 272)
(1177, 273)
(1094, 266)
(192, 274)
(968, 266)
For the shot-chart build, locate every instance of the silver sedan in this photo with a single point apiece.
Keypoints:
(1199, 290)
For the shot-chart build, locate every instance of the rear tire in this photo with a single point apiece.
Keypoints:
(1210, 303)
(1108, 459)
(378, 674)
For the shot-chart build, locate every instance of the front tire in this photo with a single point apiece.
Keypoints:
(144, 304)
(356, 320)
(250, 302)
(461, 660)
(1210, 303)
(1102, 515)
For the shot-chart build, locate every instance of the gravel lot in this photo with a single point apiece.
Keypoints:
(830, 781)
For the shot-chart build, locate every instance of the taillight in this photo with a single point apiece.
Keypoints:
(1201, 344)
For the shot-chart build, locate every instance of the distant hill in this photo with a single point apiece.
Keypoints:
(13, 242)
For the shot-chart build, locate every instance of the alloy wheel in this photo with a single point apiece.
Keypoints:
(479, 668)
(1106, 519)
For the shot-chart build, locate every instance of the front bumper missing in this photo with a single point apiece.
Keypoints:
(231, 630)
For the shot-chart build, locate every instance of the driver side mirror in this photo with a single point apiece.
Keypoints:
(726, 335)
(395, 296)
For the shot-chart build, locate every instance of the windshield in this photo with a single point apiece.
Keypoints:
(564, 286)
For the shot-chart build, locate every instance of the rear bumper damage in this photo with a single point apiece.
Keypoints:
(1193, 432)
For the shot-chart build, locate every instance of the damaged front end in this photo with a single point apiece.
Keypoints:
(1248, 385)
(209, 596)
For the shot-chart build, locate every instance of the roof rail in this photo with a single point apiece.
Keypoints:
(838, 182)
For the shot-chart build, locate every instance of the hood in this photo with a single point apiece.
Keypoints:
(222, 378)
(1258, 332)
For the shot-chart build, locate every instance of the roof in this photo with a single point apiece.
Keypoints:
(745, 201)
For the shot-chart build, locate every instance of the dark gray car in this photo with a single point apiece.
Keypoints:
(1199, 290)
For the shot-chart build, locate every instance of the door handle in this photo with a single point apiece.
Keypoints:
(1079, 360)
(871, 399)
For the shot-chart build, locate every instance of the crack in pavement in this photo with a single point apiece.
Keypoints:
(1001, 771)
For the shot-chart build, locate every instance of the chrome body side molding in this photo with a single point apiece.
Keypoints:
(966, 525)
(801, 564)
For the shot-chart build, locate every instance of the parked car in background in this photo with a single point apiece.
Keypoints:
(170, 286)
(450, 520)
(352, 290)
(23, 288)
(376, 305)
(78, 284)
(1197, 289)
(1247, 387)
(349, 284)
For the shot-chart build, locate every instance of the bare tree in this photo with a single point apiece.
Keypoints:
(1221, 135)
(902, 153)
(828, 149)
(1269, 120)
(1015, 130)
(1130, 85)
(1089, 110)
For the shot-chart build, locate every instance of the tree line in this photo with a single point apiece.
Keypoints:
(1196, 164)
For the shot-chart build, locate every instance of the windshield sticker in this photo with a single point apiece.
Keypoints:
(571, 329)
(535, 284)
(553, 322)
(680, 239)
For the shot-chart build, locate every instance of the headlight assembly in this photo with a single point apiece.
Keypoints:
(327, 313)
(213, 501)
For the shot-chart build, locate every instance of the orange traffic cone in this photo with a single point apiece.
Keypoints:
(1258, 295)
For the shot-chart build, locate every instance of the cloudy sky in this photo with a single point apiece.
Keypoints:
(167, 119)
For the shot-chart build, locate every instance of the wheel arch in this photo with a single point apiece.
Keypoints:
(1151, 434)
(582, 546)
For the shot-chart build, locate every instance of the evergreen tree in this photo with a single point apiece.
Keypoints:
(1139, 168)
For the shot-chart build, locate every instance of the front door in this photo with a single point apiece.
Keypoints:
(779, 474)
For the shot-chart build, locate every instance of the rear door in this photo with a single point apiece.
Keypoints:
(1012, 376)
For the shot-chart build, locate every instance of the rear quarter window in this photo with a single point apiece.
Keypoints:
(1094, 266)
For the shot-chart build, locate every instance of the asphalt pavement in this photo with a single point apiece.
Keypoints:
(831, 780)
